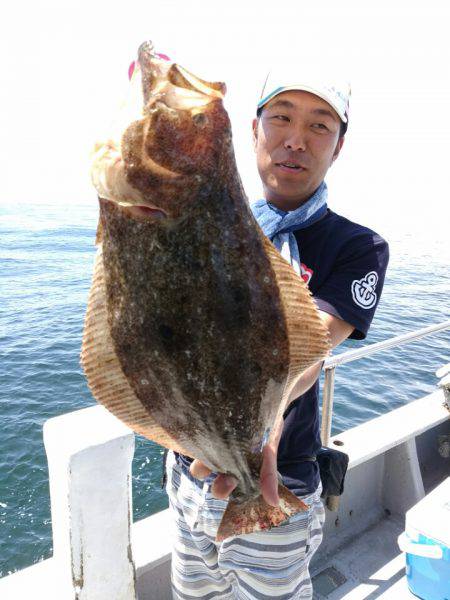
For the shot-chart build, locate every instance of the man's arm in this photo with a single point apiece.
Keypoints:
(223, 485)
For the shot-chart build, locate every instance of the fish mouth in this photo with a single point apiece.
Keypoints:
(140, 211)
(144, 212)
(167, 82)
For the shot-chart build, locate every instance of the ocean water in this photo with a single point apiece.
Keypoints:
(46, 258)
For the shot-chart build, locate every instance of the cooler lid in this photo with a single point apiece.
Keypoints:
(431, 516)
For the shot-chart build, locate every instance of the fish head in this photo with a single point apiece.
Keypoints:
(168, 141)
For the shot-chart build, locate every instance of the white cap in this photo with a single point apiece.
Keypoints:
(336, 93)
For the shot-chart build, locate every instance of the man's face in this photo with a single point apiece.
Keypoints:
(296, 140)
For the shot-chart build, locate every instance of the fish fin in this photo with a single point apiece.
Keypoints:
(256, 515)
(104, 374)
(309, 340)
(99, 234)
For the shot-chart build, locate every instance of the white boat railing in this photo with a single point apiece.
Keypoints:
(332, 362)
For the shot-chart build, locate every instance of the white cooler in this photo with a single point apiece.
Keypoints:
(426, 541)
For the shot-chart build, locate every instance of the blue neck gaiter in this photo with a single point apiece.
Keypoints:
(278, 225)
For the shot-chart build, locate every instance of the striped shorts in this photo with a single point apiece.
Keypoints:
(270, 564)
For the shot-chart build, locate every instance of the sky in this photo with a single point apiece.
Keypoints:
(64, 67)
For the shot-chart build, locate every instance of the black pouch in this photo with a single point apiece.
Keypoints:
(333, 467)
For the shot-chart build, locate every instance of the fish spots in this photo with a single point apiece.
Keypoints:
(238, 295)
(255, 369)
(166, 332)
(171, 337)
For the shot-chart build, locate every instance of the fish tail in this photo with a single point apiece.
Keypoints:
(256, 515)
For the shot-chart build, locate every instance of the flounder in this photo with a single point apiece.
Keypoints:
(196, 328)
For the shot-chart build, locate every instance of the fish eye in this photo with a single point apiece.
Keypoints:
(200, 119)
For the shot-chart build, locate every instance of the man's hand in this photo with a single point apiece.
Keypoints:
(269, 470)
(223, 484)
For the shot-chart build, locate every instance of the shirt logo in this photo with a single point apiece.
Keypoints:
(363, 290)
(305, 273)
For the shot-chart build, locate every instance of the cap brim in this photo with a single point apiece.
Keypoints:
(303, 88)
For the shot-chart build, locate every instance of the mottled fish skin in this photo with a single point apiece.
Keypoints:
(185, 306)
(194, 306)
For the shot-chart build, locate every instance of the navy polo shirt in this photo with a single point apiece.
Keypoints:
(344, 265)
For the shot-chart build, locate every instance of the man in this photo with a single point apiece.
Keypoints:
(298, 134)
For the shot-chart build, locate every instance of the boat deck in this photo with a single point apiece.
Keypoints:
(368, 567)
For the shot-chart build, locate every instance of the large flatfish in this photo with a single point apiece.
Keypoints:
(196, 328)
